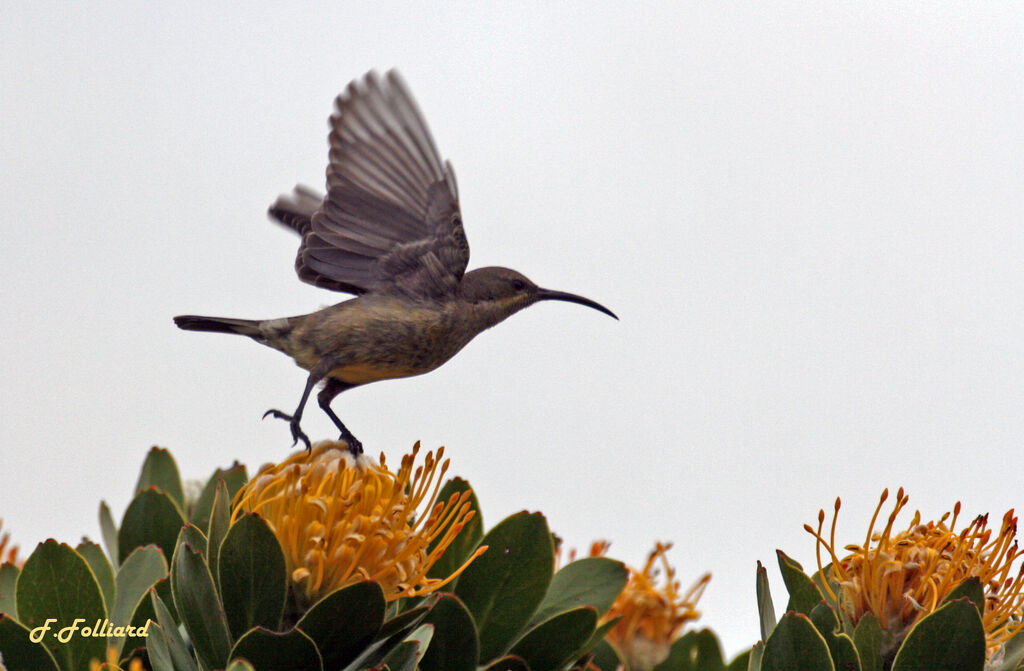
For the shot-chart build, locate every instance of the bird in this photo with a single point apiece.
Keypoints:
(389, 231)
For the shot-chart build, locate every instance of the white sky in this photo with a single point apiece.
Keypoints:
(808, 220)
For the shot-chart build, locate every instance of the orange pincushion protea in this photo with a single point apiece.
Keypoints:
(341, 519)
(902, 576)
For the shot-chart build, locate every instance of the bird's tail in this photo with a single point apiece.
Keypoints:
(246, 327)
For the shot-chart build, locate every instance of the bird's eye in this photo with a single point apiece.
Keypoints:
(518, 285)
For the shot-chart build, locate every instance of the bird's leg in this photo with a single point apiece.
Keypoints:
(332, 388)
(315, 375)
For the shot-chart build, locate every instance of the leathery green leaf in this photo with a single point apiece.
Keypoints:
(199, 607)
(8, 582)
(152, 517)
(101, 568)
(344, 622)
(18, 650)
(951, 638)
(765, 607)
(109, 532)
(694, 651)
(867, 636)
(234, 477)
(606, 657)
(180, 656)
(740, 663)
(159, 470)
(454, 646)
(271, 651)
(795, 645)
(507, 663)
(803, 593)
(558, 640)
(141, 570)
(592, 581)
(57, 588)
(253, 576)
(503, 587)
(840, 645)
(220, 522)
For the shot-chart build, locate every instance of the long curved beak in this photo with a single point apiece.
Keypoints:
(552, 295)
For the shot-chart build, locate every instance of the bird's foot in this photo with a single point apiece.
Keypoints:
(293, 424)
(354, 445)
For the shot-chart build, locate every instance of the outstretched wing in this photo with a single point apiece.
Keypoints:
(390, 221)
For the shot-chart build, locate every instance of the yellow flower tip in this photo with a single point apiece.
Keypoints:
(901, 576)
(342, 519)
(652, 611)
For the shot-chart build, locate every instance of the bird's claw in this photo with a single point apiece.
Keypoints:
(355, 446)
(293, 424)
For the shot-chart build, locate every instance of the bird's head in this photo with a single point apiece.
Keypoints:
(503, 292)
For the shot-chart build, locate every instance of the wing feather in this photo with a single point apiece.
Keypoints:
(390, 221)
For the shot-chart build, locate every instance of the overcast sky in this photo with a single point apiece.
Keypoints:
(809, 221)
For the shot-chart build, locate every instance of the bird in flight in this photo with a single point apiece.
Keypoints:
(390, 232)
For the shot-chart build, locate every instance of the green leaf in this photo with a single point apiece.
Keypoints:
(56, 583)
(143, 568)
(201, 612)
(234, 477)
(220, 522)
(179, 651)
(795, 645)
(454, 646)
(160, 471)
(109, 532)
(403, 657)
(406, 655)
(240, 665)
(157, 650)
(740, 663)
(253, 576)
(830, 592)
(344, 622)
(8, 582)
(599, 633)
(403, 623)
(868, 639)
(694, 651)
(18, 650)
(467, 540)
(558, 640)
(803, 593)
(606, 657)
(503, 587)
(271, 651)
(756, 655)
(507, 663)
(141, 622)
(191, 534)
(592, 581)
(101, 569)
(152, 517)
(952, 638)
(840, 646)
(765, 608)
(390, 635)
(971, 589)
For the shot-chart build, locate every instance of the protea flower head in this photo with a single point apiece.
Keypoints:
(901, 576)
(342, 519)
